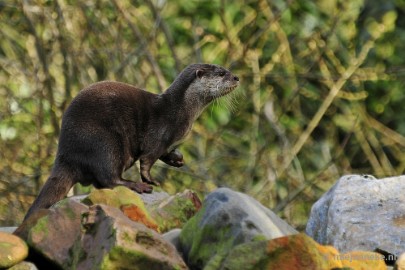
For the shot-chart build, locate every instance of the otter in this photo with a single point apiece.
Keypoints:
(110, 125)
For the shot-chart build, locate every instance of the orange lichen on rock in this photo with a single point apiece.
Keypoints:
(299, 252)
(137, 214)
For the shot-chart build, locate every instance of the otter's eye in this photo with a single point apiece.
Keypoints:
(222, 73)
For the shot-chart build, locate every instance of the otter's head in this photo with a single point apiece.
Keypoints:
(199, 84)
(210, 82)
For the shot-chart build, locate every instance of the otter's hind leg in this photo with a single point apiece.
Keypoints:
(111, 180)
(109, 176)
(146, 164)
(139, 187)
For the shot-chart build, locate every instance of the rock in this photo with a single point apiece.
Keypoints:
(361, 213)
(174, 211)
(125, 199)
(8, 229)
(160, 212)
(400, 264)
(24, 266)
(227, 219)
(72, 235)
(154, 197)
(115, 197)
(12, 250)
(54, 232)
(294, 252)
(113, 241)
(173, 237)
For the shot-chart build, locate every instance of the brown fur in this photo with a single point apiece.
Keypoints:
(110, 125)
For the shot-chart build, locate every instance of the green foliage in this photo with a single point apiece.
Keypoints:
(321, 89)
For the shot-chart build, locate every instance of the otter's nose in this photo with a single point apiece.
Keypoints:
(236, 78)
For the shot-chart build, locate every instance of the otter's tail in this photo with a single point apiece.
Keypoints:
(54, 190)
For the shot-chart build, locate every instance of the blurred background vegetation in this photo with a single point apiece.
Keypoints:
(321, 95)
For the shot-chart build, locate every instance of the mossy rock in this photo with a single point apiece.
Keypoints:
(12, 250)
(123, 198)
(174, 211)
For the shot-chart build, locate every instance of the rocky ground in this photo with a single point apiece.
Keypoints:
(358, 224)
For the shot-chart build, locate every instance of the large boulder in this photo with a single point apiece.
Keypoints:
(113, 241)
(227, 219)
(294, 252)
(53, 233)
(73, 235)
(361, 213)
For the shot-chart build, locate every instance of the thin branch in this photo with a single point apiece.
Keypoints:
(166, 31)
(137, 33)
(60, 22)
(309, 183)
(386, 131)
(326, 104)
(42, 58)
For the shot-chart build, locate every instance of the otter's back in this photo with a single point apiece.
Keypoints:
(104, 115)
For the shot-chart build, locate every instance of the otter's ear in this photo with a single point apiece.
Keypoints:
(199, 73)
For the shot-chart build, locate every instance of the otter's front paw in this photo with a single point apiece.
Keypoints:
(175, 163)
(174, 158)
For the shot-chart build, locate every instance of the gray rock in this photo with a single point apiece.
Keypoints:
(361, 213)
(78, 198)
(173, 237)
(154, 197)
(227, 219)
(24, 266)
(8, 229)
